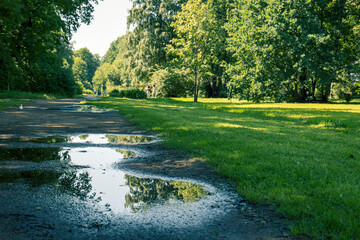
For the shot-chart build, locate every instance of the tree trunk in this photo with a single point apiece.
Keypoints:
(313, 87)
(195, 86)
(295, 92)
(8, 81)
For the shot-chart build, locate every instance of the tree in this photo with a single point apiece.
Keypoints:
(106, 74)
(290, 50)
(114, 67)
(151, 22)
(34, 43)
(92, 62)
(196, 41)
(79, 69)
(215, 86)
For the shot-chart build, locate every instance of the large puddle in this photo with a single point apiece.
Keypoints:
(91, 176)
(90, 138)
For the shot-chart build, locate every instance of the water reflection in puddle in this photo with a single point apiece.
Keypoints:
(33, 154)
(82, 108)
(112, 138)
(34, 178)
(89, 138)
(109, 187)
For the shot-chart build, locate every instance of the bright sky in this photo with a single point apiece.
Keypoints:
(108, 24)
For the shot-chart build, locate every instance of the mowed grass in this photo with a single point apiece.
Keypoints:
(6, 103)
(303, 159)
(25, 95)
(11, 98)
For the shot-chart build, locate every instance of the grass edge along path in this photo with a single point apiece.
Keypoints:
(303, 159)
(7, 103)
(13, 98)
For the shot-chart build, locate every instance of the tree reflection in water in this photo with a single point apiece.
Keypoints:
(77, 184)
(34, 178)
(145, 192)
(126, 153)
(128, 139)
(34, 154)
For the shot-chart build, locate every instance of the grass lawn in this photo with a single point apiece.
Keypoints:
(6, 103)
(27, 95)
(302, 158)
(11, 98)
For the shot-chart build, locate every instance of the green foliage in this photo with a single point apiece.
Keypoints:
(132, 93)
(141, 57)
(107, 74)
(196, 41)
(301, 158)
(170, 82)
(291, 50)
(152, 31)
(88, 91)
(115, 93)
(112, 52)
(84, 67)
(34, 44)
(26, 95)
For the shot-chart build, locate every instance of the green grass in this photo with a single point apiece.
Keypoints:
(27, 95)
(6, 103)
(15, 98)
(304, 159)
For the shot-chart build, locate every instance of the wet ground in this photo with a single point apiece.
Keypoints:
(70, 171)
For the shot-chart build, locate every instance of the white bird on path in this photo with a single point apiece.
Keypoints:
(21, 107)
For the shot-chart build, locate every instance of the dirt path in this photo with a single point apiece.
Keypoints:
(41, 211)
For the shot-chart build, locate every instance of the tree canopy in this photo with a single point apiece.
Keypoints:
(34, 43)
(85, 65)
(298, 50)
(295, 51)
(292, 50)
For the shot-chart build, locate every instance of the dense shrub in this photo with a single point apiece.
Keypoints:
(88, 91)
(132, 93)
(115, 93)
(171, 83)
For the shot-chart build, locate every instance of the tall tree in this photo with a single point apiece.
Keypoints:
(152, 31)
(92, 62)
(196, 42)
(215, 86)
(34, 39)
(290, 50)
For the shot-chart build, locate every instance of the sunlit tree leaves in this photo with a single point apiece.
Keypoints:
(291, 50)
(34, 43)
(197, 40)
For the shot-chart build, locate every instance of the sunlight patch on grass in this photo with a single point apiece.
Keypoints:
(229, 125)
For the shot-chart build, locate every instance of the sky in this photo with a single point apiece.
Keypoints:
(108, 24)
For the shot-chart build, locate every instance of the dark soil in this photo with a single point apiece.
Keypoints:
(39, 213)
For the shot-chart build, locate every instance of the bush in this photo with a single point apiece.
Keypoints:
(132, 93)
(171, 82)
(88, 91)
(115, 93)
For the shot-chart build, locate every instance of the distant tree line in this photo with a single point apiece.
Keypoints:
(281, 50)
(35, 54)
